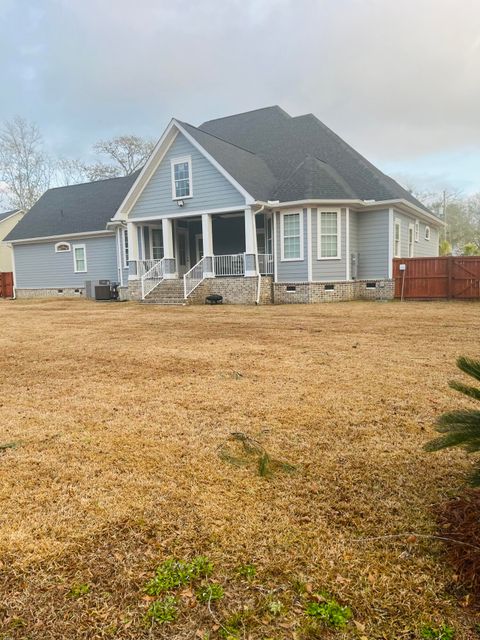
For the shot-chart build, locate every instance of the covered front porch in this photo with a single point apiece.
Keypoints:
(193, 248)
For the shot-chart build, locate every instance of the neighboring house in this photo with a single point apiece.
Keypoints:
(259, 206)
(8, 220)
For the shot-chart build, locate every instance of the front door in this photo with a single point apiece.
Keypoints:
(183, 262)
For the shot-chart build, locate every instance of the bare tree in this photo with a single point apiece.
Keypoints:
(126, 154)
(71, 171)
(25, 167)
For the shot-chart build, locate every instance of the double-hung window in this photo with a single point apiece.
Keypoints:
(292, 230)
(397, 240)
(79, 258)
(328, 235)
(181, 178)
(125, 248)
(410, 240)
(417, 231)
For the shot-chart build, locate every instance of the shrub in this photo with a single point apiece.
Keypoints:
(461, 428)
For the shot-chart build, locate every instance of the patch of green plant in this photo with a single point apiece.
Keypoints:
(162, 611)
(443, 632)
(232, 628)
(17, 623)
(247, 571)
(79, 590)
(8, 445)
(275, 607)
(329, 612)
(173, 573)
(242, 450)
(210, 592)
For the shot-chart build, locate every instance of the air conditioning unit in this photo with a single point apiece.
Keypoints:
(101, 290)
(354, 259)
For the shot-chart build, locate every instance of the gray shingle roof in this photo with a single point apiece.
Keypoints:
(248, 169)
(7, 214)
(284, 143)
(74, 209)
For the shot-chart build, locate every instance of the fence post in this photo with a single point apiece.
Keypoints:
(449, 279)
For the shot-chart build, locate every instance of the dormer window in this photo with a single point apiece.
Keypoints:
(181, 178)
(61, 247)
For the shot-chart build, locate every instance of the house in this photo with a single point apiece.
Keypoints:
(258, 207)
(8, 220)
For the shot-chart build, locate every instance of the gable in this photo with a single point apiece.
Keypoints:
(211, 190)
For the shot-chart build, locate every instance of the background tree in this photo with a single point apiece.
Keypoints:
(25, 167)
(445, 248)
(461, 428)
(125, 154)
(70, 171)
(471, 249)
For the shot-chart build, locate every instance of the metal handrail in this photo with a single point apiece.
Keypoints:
(193, 277)
(153, 277)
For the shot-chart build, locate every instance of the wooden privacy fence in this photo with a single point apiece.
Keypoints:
(6, 284)
(448, 277)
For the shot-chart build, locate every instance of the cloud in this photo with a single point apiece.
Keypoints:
(397, 80)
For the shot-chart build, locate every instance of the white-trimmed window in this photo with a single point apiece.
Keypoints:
(181, 178)
(62, 247)
(411, 240)
(417, 231)
(328, 245)
(427, 233)
(291, 228)
(157, 243)
(397, 239)
(79, 258)
(125, 248)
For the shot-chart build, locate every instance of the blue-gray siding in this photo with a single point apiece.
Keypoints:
(291, 271)
(334, 269)
(38, 266)
(422, 248)
(210, 189)
(373, 244)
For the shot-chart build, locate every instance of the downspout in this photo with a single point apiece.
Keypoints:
(259, 281)
(14, 297)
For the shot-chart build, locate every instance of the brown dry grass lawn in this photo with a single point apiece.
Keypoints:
(119, 411)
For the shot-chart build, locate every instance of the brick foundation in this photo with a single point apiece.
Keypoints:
(234, 290)
(67, 292)
(335, 291)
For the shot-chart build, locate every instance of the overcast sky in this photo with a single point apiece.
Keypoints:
(397, 79)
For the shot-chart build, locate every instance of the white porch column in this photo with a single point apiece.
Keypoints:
(168, 249)
(132, 234)
(250, 243)
(207, 239)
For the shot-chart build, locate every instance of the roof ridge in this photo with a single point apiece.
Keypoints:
(243, 113)
(82, 184)
(207, 133)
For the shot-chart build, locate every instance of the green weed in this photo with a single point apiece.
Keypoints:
(162, 611)
(210, 592)
(329, 612)
(444, 632)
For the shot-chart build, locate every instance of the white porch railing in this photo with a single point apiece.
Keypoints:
(142, 266)
(265, 264)
(153, 277)
(194, 277)
(229, 265)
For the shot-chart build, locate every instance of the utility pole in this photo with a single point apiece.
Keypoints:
(445, 215)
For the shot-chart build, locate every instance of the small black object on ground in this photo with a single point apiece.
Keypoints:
(214, 298)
